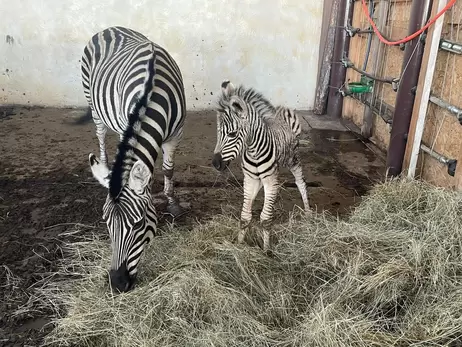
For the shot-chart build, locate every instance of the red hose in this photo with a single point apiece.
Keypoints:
(410, 37)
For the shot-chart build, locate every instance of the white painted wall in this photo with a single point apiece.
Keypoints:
(271, 45)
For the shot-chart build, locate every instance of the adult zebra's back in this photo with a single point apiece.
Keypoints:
(135, 88)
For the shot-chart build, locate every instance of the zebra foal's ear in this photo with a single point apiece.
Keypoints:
(99, 170)
(227, 88)
(238, 106)
(139, 177)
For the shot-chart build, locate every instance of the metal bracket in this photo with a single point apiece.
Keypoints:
(344, 92)
(449, 46)
(452, 166)
(351, 31)
(346, 63)
(423, 38)
(395, 84)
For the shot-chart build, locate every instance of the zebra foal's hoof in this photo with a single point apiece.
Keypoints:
(266, 248)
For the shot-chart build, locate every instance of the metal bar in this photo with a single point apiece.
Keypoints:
(352, 31)
(412, 62)
(442, 159)
(341, 48)
(450, 163)
(450, 46)
(456, 111)
(393, 81)
(322, 90)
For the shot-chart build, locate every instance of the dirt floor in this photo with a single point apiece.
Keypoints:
(46, 186)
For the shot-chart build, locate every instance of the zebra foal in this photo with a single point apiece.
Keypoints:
(265, 138)
(135, 88)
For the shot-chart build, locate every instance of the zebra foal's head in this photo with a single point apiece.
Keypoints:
(232, 126)
(127, 204)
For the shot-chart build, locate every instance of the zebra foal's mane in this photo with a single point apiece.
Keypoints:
(249, 96)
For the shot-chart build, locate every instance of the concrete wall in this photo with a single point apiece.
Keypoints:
(271, 45)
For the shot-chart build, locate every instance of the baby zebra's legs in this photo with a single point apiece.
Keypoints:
(251, 188)
(301, 184)
(271, 187)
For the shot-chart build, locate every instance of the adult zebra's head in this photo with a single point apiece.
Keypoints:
(232, 127)
(128, 213)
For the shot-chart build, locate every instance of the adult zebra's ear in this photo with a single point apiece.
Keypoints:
(99, 170)
(227, 88)
(139, 177)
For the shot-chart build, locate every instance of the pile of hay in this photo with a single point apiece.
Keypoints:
(390, 275)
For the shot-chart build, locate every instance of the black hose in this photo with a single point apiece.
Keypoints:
(389, 80)
(369, 38)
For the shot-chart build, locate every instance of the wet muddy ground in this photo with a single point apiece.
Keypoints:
(46, 187)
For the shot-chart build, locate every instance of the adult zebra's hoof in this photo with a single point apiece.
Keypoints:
(175, 210)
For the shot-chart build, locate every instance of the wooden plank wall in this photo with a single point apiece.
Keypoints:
(392, 57)
(442, 131)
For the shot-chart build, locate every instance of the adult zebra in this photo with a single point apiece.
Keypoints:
(135, 88)
(266, 138)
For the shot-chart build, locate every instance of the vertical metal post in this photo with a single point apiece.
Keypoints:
(412, 63)
(341, 49)
(322, 89)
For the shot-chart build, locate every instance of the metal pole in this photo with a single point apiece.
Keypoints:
(341, 49)
(322, 89)
(412, 63)
(450, 163)
(442, 159)
(456, 111)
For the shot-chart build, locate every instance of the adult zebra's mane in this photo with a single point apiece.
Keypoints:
(250, 96)
(122, 164)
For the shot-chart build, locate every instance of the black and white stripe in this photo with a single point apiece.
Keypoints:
(265, 138)
(135, 88)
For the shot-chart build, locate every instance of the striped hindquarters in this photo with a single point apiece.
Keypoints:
(290, 117)
(114, 68)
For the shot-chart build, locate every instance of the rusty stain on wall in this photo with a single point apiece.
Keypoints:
(270, 45)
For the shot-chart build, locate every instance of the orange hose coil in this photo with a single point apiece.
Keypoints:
(410, 37)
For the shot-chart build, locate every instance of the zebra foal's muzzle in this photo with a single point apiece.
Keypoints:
(121, 280)
(218, 162)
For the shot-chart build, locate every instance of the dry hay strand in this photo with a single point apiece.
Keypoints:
(390, 274)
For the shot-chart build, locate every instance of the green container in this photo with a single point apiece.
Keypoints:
(364, 86)
(358, 88)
